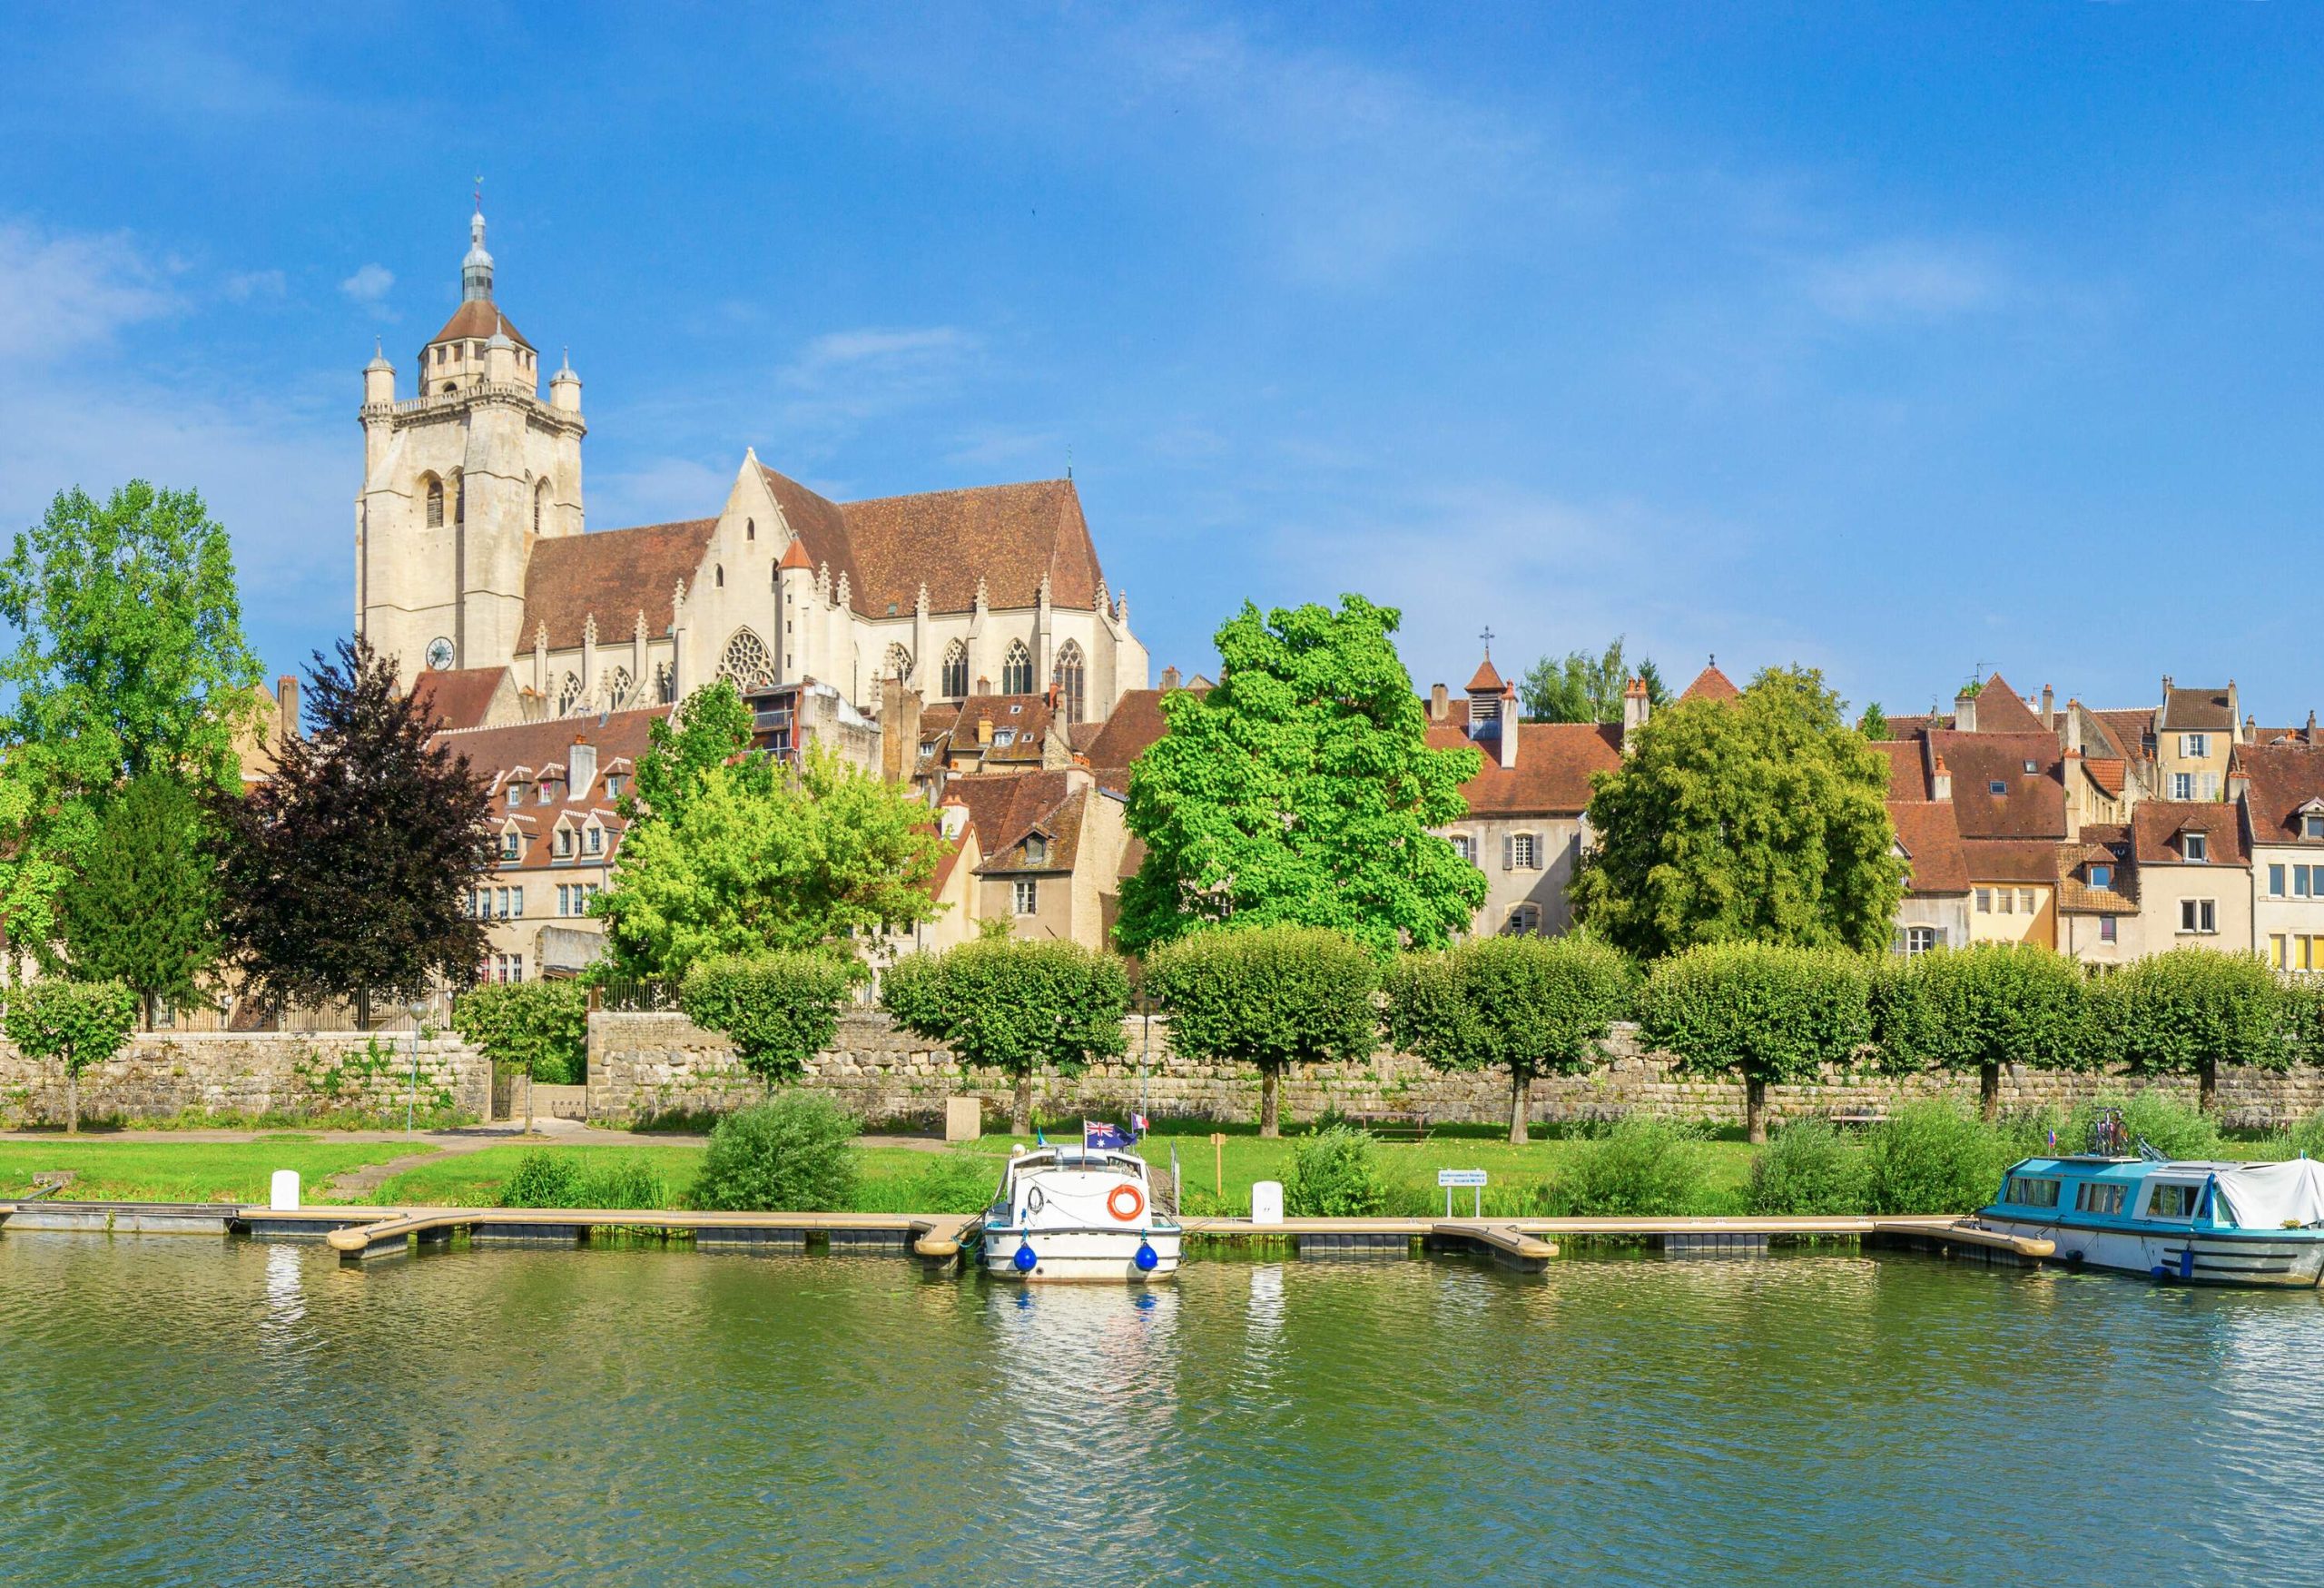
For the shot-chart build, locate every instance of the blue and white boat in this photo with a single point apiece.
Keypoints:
(2182, 1222)
(1078, 1213)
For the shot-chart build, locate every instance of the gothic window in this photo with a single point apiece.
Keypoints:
(459, 498)
(745, 662)
(954, 685)
(665, 686)
(540, 505)
(1071, 696)
(897, 663)
(722, 576)
(434, 503)
(750, 528)
(619, 688)
(1017, 669)
(568, 695)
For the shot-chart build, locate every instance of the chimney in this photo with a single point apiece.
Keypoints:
(1940, 782)
(2049, 708)
(286, 703)
(984, 685)
(2073, 726)
(1510, 711)
(984, 732)
(2311, 727)
(1440, 703)
(952, 817)
(2238, 786)
(1964, 713)
(580, 768)
(1637, 706)
(1056, 753)
(1169, 679)
(2070, 771)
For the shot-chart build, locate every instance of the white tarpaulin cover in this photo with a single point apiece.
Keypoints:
(2270, 1195)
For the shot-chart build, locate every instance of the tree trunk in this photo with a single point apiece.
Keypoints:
(1521, 1095)
(1755, 1112)
(1270, 1118)
(145, 1002)
(2208, 1079)
(529, 1100)
(72, 1101)
(1989, 1092)
(363, 1010)
(1020, 1107)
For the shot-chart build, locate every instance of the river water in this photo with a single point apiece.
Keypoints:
(175, 1410)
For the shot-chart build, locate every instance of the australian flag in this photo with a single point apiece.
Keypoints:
(1098, 1136)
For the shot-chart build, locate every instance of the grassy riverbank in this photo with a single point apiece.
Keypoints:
(182, 1171)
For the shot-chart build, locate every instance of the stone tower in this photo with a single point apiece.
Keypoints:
(460, 482)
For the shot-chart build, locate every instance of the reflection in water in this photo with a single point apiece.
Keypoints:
(224, 1413)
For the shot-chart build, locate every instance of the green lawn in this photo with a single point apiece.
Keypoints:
(182, 1171)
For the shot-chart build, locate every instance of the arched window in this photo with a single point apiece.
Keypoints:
(745, 662)
(664, 687)
(619, 688)
(722, 576)
(954, 684)
(750, 528)
(1071, 690)
(540, 505)
(434, 503)
(459, 498)
(1524, 921)
(568, 695)
(1017, 669)
(896, 665)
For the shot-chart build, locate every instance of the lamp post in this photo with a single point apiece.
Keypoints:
(411, 1101)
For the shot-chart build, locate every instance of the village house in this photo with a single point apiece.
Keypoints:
(2194, 875)
(2281, 787)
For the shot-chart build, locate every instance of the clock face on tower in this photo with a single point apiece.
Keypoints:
(440, 653)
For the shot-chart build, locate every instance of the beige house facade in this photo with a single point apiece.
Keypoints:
(2282, 788)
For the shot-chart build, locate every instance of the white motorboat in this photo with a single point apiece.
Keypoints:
(1078, 1213)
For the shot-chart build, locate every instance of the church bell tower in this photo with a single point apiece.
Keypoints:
(460, 479)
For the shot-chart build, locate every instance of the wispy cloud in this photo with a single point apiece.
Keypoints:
(251, 286)
(843, 378)
(1913, 280)
(62, 293)
(369, 284)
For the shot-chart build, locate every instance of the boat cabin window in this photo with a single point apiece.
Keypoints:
(2172, 1199)
(2097, 1196)
(2031, 1191)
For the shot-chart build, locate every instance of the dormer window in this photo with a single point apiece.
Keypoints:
(516, 795)
(2196, 847)
(2102, 876)
(613, 786)
(548, 792)
(565, 844)
(1037, 850)
(595, 842)
(1005, 737)
(2312, 826)
(2032, 766)
(512, 845)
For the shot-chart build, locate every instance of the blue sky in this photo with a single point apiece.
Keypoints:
(1899, 341)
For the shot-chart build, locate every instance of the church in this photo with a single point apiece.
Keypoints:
(474, 569)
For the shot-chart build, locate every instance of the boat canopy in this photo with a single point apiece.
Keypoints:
(2272, 1196)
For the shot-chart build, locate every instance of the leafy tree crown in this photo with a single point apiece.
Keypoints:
(1271, 996)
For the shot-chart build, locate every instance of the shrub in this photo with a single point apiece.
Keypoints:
(1015, 1006)
(1807, 1169)
(2191, 1010)
(2304, 1140)
(2169, 1125)
(1334, 1174)
(780, 1009)
(543, 1179)
(589, 1178)
(1763, 1013)
(1643, 1168)
(538, 1029)
(1980, 1008)
(1931, 1156)
(795, 1154)
(1269, 996)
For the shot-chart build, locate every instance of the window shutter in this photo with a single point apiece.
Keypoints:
(1508, 851)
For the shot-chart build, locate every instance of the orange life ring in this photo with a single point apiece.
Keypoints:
(1114, 1202)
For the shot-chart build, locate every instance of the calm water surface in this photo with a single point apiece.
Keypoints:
(176, 1410)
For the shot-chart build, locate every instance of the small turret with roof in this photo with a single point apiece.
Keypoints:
(463, 353)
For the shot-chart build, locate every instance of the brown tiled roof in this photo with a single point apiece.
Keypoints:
(2129, 728)
(613, 573)
(1486, 679)
(2010, 860)
(1913, 727)
(516, 753)
(2103, 738)
(1010, 534)
(1999, 711)
(1908, 768)
(1125, 735)
(2101, 844)
(1932, 844)
(817, 523)
(2283, 778)
(953, 727)
(2197, 709)
(459, 697)
(2033, 804)
(476, 319)
(1005, 807)
(2156, 824)
(1551, 777)
(1710, 684)
(2107, 772)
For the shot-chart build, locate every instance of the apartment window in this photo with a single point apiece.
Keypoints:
(1465, 847)
(2182, 785)
(2312, 826)
(2102, 876)
(2196, 847)
(2106, 929)
(516, 900)
(2210, 785)
(2199, 916)
(1524, 851)
(1524, 920)
(1984, 900)
(2302, 876)
(2025, 901)
(2276, 960)
(1920, 940)
(2194, 746)
(2006, 899)
(2276, 882)
(564, 906)
(1026, 896)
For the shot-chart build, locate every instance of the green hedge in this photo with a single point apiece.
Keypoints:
(780, 1009)
(1763, 1014)
(538, 1029)
(1017, 1007)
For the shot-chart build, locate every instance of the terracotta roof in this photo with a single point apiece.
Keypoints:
(1010, 534)
(2101, 844)
(2196, 709)
(1133, 726)
(1486, 680)
(794, 556)
(2156, 824)
(2129, 729)
(1005, 807)
(1913, 727)
(2283, 778)
(947, 860)
(816, 522)
(1932, 844)
(2299, 735)
(1999, 711)
(1025, 717)
(1710, 684)
(2101, 738)
(516, 754)
(614, 574)
(1551, 777)
(1908, 768)
(459, 697)
(2010, 860)
(476, 319)
(2033, 805)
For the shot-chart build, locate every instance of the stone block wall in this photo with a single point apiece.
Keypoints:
(163, 1074)
(646, 1065)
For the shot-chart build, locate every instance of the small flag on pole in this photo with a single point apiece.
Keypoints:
(1137, 1123)
(1096, 1135)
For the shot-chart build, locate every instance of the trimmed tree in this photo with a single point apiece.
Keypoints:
(346, 875)
(1300, 791)
(1020, 1008)
(1760, 819)
(540, 1029)
(2189, 1012)
(1766, 1014)
(1273, 996)
(1980, 1008)
(143, 911)
(780, 1010)
(1528, 1005)
(73, 1023)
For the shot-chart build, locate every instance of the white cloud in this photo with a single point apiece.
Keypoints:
(247, 285)
(1907, 280)
(369, 284)
(843, 378)
(61, 294)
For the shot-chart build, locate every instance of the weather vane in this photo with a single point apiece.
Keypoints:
(479, 193)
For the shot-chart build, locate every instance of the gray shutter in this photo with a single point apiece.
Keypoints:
(1508, 851)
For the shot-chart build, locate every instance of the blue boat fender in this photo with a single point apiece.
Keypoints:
(1024, 1260)
(1145, 1259)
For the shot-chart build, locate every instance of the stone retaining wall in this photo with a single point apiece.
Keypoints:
(163, 1074)
(644, 1065)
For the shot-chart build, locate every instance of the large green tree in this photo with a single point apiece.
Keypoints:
(347, 873)
(1586, 689)
(1300, 789)
(1766, 1014)
(2188, 1013)
(1760, 819)
(711, 729)
(1977, 1008)
(143, 911)
(1021, 1007)
(735, 860)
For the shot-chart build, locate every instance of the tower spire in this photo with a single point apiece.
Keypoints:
(476, 269)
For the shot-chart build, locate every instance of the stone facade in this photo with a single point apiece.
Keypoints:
(646, 1065)
(163, 1075)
